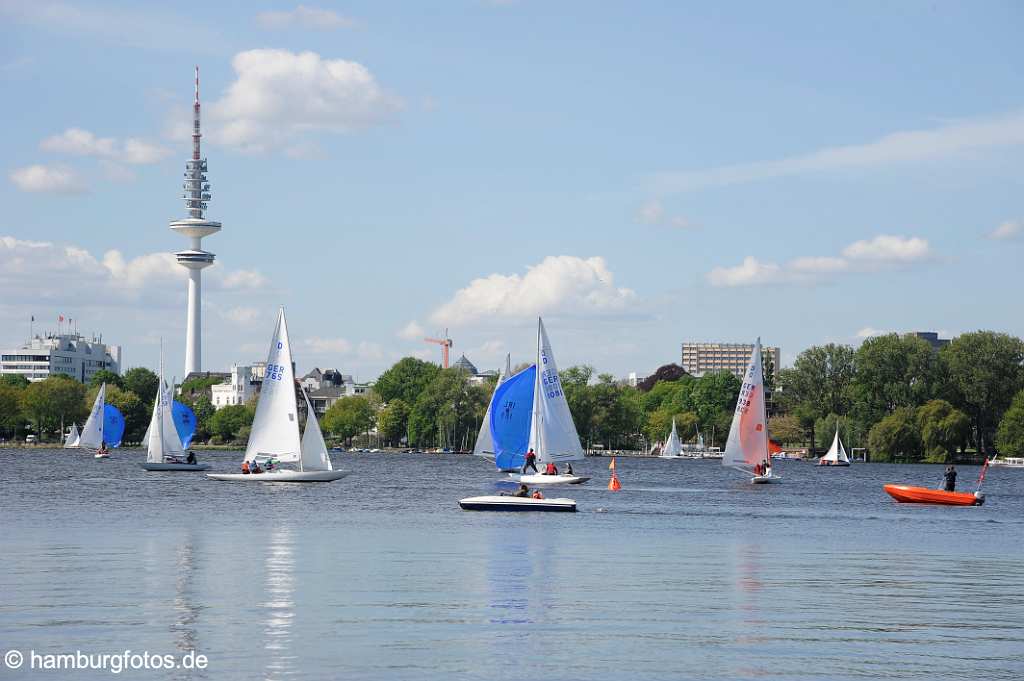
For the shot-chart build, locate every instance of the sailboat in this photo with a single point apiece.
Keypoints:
(747, 447)
(275, 428)
(73, 437)
(673, 448)
(484, 446)
(836, 455)
(553, 436)
(163, 446)
(91, 436)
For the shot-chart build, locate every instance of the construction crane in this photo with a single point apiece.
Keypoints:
(445, 344)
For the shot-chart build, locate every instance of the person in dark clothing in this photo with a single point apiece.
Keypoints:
(568, 469)
(255, 468)
(950, 479)
(523, 491)
(531, 462)
(191, 457)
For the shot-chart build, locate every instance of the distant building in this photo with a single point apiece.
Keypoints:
(464, 364)
(330, 385)
(633, 379)
(702, 358)
(932, 338)
(66, 354)
(241, 386)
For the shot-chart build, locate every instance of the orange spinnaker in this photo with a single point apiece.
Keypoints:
(924, 495)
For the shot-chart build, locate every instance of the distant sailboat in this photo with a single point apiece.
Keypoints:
(275, 428)
(484, 446)
(73, 438)
(836, 455)
(164, 451)
(553, 436)
(673, 448)
(747, 447)
(91, 436)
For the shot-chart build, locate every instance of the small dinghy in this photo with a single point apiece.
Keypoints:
(923, 495)
(281, 475)
(164, 451)
(836, 455)
(748, 448)
(766, 479)
(538, 479)
(507, 503)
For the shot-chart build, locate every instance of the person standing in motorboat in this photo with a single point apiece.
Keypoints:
(530, 462)
(949, 479)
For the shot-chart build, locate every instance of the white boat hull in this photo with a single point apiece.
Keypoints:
(97, 455)
(281, 476)
(508, 503)
(537, 479)
(765, 479)
(176, 466)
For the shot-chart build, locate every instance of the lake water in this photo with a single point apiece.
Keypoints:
(688, 572)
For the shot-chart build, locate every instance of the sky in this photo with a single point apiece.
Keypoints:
(639, 174)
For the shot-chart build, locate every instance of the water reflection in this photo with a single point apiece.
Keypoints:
(278, 605)
(185, 607)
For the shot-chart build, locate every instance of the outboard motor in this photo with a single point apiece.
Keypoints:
(979, 498)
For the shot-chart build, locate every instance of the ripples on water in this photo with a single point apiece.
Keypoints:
(686, 573)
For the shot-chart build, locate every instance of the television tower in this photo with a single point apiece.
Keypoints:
(195, 227)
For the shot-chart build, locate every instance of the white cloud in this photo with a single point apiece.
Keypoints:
(78, 142)
(1010, 229)
(322, 346)
(558, 284)
(279, 96)
(869, 331)
(886, 248)
(899, 147)
(653, 213)
(54, 179)
(411, 331)
(244, 280)
(751, 271)
(115, 172)
(860, 256)
(304, 17)
(242, 314)
(40, 270)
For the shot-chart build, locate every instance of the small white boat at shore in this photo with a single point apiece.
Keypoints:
(509, 503)
(836, 455)
(275, 428)
(1007, 462)
(673, 449)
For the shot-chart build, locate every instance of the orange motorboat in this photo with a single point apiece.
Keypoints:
(924, 495)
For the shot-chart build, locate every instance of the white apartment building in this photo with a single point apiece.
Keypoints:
(241, 387)
(702, 358)
(66, 354)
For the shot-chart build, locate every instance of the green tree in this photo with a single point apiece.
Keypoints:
(616, 417)
(393, 421)
(11, 418)
(1010, 436)
(53, 402)
(203, 408)
(786, 429)
(104, 376)
(825, 428)
(14, 380)
(406, 380)
(944, 428)
(143, 383)
(659, 425)
(449, 411)
(712, 395)
(228, 422)
(576, 386)
(136, 414)
(896, 437)
(818, 384)
(892, 372)
(349, 417)
(984, 369)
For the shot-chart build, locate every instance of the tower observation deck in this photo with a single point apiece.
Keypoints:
(195, 227)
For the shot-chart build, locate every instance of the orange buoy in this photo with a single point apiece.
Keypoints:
(614, 485)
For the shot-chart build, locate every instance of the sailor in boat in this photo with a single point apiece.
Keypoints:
(536, 494)
(523, 491)
(255, 468)
(949, 478)
(245, 468)
(191, 459)
(568, 468)
(530, 462)
(550, 469)
(102, 451)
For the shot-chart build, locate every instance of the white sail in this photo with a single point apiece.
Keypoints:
(154, 434)
(314, 449)
(92, 431)
(553, 434)
(73, 437)
(748, 437)
(275, 428)
(162, 440)
(672, 446)
(836, 453)
(484, 442)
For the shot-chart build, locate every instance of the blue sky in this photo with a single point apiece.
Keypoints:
(639, 173)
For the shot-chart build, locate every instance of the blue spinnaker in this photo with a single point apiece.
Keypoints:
(511, 412)
(113, 426)
(184, 423)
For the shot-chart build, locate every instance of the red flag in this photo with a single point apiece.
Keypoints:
(984, 469)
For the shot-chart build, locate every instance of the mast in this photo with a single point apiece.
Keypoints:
(537, 388)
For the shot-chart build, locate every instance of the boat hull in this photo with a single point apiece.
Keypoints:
(176, 466)
(101, 456)
(517, 504)
(548, 479)
(834, 464)
(922, 495)
(280, 476)
(765, 479)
